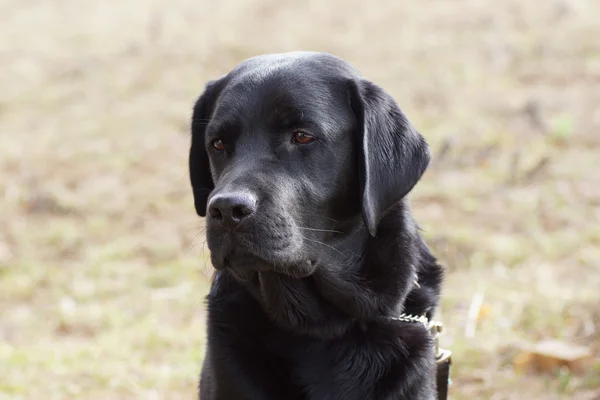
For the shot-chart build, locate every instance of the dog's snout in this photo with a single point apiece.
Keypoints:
(232, 208)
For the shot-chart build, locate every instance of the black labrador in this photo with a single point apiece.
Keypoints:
(301, 167)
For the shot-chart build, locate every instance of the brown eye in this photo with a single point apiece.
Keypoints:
(302, 137)
(218, 144)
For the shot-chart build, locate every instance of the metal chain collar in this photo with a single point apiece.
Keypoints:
(434, 327)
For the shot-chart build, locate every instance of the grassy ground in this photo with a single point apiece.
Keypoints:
(102, 267)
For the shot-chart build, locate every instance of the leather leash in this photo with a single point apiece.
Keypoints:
(443, 358)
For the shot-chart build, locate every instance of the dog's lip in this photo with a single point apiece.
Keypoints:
(303, 269)
(300, 269)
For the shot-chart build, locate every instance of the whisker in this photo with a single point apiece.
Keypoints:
(358, 256)
(324, 244)
(195, 243)
(319, 230)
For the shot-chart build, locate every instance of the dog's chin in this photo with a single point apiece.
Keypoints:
(246, 267)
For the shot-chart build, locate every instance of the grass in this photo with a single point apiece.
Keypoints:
(103, 271)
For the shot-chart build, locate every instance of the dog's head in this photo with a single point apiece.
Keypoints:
(290, 150)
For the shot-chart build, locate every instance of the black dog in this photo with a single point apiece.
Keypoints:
(301, 167)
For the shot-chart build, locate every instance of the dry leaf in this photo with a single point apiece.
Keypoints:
(550, 355)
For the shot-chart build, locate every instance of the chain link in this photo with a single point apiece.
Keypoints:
(412, 318)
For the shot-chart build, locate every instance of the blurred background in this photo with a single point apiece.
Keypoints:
(103, 268)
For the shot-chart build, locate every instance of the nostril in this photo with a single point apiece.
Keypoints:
(214, 212)
(240, 212)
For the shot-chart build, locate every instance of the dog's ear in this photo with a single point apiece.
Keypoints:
(199, 165)
(393, 155)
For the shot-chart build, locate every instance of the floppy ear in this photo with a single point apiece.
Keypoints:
(393, 155)
(200, 175)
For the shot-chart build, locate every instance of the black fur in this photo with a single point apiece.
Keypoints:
(307, 281)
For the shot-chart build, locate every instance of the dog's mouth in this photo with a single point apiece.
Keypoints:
(303, 269)
(243, 255)
(245, 266)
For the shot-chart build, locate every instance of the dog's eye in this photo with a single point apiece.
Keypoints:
(302, 137)
(218, 144)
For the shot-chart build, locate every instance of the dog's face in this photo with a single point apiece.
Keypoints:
(289, 151)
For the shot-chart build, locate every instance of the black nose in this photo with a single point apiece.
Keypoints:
(232, 208)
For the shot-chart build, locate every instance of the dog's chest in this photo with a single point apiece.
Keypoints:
(347, 368)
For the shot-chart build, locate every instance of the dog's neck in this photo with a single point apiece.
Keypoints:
(356, 284)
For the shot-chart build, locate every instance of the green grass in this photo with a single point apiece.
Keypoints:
(103, 268)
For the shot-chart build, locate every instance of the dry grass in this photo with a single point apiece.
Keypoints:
(102, 268)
